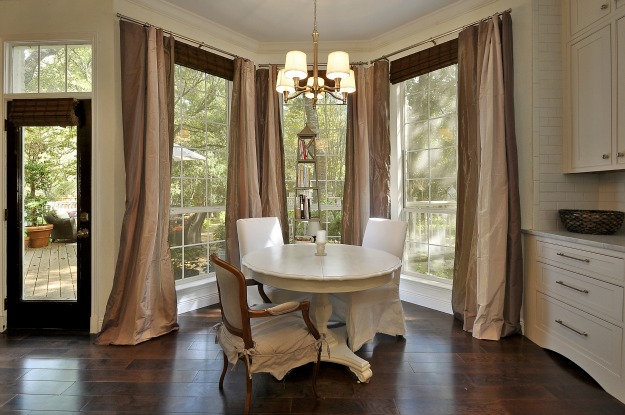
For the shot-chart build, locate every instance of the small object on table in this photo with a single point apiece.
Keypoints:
(321, 243)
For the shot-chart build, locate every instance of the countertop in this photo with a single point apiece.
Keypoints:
(614, 242)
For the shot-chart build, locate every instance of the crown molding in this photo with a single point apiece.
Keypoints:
(433, 20)
(217, 35)
(210, 30)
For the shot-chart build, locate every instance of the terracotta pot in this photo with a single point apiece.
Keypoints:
(39, 235)
(26, 242)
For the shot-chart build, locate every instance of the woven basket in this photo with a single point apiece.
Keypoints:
(595, 222)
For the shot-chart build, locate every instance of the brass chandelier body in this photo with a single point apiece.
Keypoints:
(296, 70)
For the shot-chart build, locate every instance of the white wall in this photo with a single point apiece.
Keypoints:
(96, 19)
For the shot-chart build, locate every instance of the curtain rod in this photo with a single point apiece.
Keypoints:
(433, 38)
(169, 32)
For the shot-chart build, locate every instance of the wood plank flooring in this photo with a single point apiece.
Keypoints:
(437, 369)
(50, 272)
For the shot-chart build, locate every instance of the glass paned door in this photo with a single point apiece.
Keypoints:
(48, 225)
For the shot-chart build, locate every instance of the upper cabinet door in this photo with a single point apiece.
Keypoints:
(620, 81)
(591, 101)
(586, 12)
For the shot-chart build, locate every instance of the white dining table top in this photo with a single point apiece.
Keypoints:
(345, 268)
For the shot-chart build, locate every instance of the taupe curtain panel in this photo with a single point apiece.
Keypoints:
(367, 152)
(242, 193)
(142, 303)
(43, 112)
(488, 273)
(270, 148)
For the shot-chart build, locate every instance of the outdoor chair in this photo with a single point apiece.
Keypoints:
(64, 226)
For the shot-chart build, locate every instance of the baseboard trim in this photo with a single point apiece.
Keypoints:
(425, 293)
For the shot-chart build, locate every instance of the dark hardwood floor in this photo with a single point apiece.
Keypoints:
(436, 369)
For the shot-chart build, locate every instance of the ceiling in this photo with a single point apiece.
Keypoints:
(269, 21)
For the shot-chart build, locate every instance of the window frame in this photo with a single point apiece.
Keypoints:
(405, 208)
(322, 184)
(209, 209)
(9, 62)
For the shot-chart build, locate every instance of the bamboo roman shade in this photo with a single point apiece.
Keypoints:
(202, 60)
(425, 61)
(43, 112)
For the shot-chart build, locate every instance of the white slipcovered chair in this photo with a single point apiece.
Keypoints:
(258, 233)
(377, 310)
(273, 339)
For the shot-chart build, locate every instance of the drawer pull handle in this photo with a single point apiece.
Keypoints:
(571, 287)
(586, 260)
(604, 6)
(581, 333)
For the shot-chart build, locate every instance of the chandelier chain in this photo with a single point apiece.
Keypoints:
(315, 14)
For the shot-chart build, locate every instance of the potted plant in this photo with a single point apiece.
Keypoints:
(38, 180)
(36, 230)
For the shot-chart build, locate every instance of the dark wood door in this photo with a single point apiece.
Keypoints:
(49, 287)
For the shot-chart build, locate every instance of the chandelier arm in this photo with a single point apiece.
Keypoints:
(339, 97)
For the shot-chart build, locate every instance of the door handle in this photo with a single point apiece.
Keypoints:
(82, 233)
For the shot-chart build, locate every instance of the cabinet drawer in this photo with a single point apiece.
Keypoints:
(592, 263)
(583, 13)
(595, 296)
(596, 339)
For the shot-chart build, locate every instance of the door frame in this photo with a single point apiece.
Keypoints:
(33, 314)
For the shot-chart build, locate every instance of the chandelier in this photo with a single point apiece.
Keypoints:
(296, 70)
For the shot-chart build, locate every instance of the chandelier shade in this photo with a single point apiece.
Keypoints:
(295, 65)
(338, 65)
(296, 70)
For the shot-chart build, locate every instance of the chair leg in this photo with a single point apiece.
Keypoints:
(248, 395)
(315, 371)
(223, 371)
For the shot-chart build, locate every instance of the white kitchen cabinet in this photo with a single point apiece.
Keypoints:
(573, 304)
(620, 80)
(586, 12)
(591, 100)
(594, 89)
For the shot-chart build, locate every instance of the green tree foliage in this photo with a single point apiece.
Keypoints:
(49, 168)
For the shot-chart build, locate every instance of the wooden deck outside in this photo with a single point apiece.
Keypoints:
(50, 272)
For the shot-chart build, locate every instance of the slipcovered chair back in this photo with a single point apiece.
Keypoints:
(258, 233)
(386, 235)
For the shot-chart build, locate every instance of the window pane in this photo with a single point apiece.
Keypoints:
(52, 68)
(418, 164)
(417, 135)
(193, 192)
(79, 64)
(25, 69)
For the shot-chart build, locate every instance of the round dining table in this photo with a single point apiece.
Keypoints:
(344, 268)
